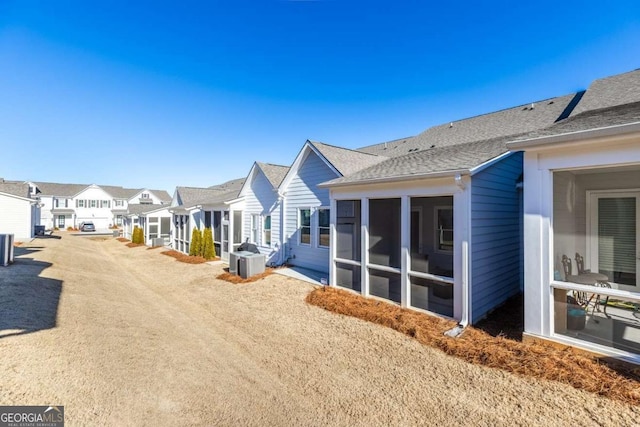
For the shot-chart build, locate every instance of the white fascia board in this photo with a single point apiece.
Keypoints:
(26, 199)
(397, 178)
(578, 136)
(247, 181)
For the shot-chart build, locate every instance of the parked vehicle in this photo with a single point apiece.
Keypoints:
(87, 226)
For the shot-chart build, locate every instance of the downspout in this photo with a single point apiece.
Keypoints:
(464, 321)
(283, 246)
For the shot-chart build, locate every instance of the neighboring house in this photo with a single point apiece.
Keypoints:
(306, 219)
(68, 205)
(155, 221)
(437, 226)
(582, 196)
(194, 207)
(19, 214)
(263, 209)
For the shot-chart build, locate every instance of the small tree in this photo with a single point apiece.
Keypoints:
(195, 247)
(208, 250)
(138, 235)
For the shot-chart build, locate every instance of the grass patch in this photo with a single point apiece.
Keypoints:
(531, 359)
(185, 258)
(122, 239)
(233, 278)
(134, 245)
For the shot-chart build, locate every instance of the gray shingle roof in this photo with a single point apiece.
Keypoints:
(234, 184)
(610, 92)
(591, 119)
(274, 173)
(163, 195)
(16, 188)
(511, 121)
(120, 192)
(216, 194)
(439, 160)
(138, 209)
(59, 190)
(346, 161)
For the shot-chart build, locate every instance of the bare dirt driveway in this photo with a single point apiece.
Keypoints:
(131, 337)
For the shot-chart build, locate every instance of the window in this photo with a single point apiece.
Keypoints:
(61, 221)
(119, 203)
(266, 230)
(304, 224)
(323, 227)
(93, 203)
(237, 227)
(105, 203)
(207, 219)
(118, 220)
(145, 195)
(254, 228)
(444, 229)
(216, 226)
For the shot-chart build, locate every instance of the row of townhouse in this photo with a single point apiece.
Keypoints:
(456, 220)
(55, 205)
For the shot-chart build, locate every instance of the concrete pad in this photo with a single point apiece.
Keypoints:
(304, 274)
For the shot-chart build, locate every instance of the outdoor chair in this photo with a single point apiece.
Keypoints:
(586, 277)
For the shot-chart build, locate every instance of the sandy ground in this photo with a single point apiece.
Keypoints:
(125, 336)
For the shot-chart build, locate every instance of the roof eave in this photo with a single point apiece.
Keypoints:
(589, 134)
(428, 175)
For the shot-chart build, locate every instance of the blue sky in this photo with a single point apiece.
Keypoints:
(158, 94)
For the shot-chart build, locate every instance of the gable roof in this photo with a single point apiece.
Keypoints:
(15, 188)
(193, 196)
(274, 173)
(508, 122)
(610, 92)
(60, 190)
(119, 192)
(344, 160)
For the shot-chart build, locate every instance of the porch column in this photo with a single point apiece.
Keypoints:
(405, 226)
(364, 248)
(333, 215)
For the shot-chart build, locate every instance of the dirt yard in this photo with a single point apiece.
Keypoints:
(127, 336)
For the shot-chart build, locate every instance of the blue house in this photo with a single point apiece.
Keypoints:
(437, 225)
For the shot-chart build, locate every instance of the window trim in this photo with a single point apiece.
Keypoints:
(318, 227)
(265, 229)
(437, 231)
(299, 226)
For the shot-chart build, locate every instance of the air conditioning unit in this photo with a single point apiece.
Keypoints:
(158, 241)
(250, 265)
(234, 258)
(6, 249)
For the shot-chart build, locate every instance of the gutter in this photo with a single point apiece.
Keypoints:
(382, 180)
(604, 132)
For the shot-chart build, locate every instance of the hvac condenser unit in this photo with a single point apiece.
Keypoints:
(234, 258)
(250, 265)
(6, 249)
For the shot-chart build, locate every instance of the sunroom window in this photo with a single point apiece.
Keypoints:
(596, 237)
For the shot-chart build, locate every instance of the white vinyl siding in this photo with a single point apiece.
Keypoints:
(17, 217)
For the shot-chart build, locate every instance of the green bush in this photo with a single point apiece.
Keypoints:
(208, 249)
(138, 235)
(195, 247)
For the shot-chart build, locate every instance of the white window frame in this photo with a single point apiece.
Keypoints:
(437, 249)
(255, 228)
(93, 203)
(318, 227)
(265, 241)
(299, 226)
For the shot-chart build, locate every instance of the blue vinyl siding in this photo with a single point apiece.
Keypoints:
(496, 238)
(301, 193)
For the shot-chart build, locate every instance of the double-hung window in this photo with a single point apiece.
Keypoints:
(323, 227)
(266, 230)
(254, 228)
(304, 226)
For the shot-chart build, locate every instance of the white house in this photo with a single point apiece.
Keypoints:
(19, 214)
(307, 212)
(582, 202)
(263, 209)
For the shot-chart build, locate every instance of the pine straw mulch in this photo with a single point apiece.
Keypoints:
(134, 245)
(531, 359)
(235, 279)
(188, 259)
(122, 239)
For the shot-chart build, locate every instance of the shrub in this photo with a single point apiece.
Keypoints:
(137, 236)
(195, 247)
(69, 228)
(208, 250)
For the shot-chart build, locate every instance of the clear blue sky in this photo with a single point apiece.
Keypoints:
(158, 94)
